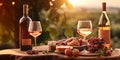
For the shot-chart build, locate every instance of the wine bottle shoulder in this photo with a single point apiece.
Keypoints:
(104, 20)
(25, 18)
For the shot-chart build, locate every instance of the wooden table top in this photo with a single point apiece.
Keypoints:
(16, 54)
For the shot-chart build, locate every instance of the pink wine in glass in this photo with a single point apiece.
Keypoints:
(84, 31)
(35, 33)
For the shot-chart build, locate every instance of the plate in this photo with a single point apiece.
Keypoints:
(81, 48)
(115, 53)
(61, 49)
(59, 52)
(89, 54)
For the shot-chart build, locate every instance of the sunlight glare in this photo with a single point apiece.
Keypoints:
(76, 2)
(1, 4)
(13, 3)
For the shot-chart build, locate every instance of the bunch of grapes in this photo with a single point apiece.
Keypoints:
(95, 44)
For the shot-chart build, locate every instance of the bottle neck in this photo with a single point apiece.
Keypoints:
(25, 10)
(104, 6)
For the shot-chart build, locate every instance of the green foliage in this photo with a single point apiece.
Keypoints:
(65, 24)
(68, 32)
(57, 23)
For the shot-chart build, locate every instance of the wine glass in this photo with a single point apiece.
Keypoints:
(35, 30)
(84, 28)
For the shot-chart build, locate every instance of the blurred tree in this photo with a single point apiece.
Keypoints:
(47, 12)
(11, 13)
(7, 20)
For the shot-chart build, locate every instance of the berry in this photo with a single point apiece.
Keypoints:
(108, 52)
(75, 52)
(68, 52)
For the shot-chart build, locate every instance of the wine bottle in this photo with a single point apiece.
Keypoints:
(104, 26)
(24, 37)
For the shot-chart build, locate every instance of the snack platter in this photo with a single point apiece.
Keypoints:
(93, 47)
(77, 47)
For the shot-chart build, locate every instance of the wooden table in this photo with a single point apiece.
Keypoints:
(16, 54)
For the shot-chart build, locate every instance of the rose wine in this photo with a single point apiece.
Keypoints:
(104, 26)
(35, 33)
(84, 31)
(24, 37)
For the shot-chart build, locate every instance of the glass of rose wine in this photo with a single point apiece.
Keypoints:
(84, 28)
(35, 30)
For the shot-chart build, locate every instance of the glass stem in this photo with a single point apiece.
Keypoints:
(84, 38)
(35, 43)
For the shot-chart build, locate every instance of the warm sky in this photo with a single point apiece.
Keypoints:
(95, 3)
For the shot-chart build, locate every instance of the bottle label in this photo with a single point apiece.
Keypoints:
(26, 42)
(104, 32)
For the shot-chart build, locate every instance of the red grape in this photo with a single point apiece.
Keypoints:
(95, 44)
